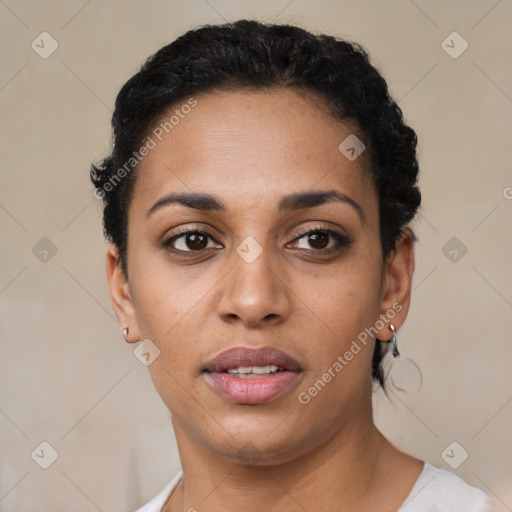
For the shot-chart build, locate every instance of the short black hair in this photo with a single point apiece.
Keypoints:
(252, 55)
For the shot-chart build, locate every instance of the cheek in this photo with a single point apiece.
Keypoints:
(173, 308)
(340, 351)
(167, 311)
(164, 297)
(346, 301)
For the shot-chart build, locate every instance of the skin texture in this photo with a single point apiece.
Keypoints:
(250, 149)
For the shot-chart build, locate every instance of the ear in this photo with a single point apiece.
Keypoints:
(120, 295)
(396, 284)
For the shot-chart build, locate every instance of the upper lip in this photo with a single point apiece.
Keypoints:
(243, 357)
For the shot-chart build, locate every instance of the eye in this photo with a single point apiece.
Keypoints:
(189, 240)
(318, 240)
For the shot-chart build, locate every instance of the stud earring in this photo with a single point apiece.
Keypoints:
(393, 341)
(125, 333)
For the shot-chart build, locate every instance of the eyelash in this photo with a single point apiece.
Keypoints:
(342, 241)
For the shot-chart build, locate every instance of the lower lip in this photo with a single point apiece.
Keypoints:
(257, 390)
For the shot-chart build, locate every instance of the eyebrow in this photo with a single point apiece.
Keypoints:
(291, 202)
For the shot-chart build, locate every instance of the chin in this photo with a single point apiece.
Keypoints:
(260, 439)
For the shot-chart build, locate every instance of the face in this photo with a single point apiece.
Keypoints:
(274, 256)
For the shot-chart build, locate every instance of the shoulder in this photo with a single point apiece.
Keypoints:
(438, 490)
(156, 504)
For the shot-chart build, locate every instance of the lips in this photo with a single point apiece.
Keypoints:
(244, 357)
(252, 376)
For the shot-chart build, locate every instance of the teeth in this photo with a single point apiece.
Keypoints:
(258, 370)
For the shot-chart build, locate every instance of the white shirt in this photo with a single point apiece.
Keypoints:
(435, 490)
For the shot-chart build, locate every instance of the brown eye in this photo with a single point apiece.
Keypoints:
(318, 240)
(188, 241)
(322, 241)
(196, 241)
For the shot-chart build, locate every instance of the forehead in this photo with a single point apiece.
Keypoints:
(250, 147)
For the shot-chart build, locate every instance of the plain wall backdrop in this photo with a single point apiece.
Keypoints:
(66, 376)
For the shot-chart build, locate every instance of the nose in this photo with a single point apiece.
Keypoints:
(255, 293)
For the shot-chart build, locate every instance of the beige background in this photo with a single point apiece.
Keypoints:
(67, 377)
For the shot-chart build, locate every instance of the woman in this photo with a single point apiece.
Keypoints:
(257, 202)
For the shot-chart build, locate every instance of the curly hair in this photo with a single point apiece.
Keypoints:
(256, 56)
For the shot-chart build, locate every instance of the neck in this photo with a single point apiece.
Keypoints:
(341, 469)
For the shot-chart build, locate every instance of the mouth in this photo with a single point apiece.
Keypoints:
(254, 372)
(252, 376)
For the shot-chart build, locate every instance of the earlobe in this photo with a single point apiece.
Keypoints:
(120, 296)
(396, 287)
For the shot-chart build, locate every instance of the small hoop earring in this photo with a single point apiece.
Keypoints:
(125, 333)
(393, 341)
